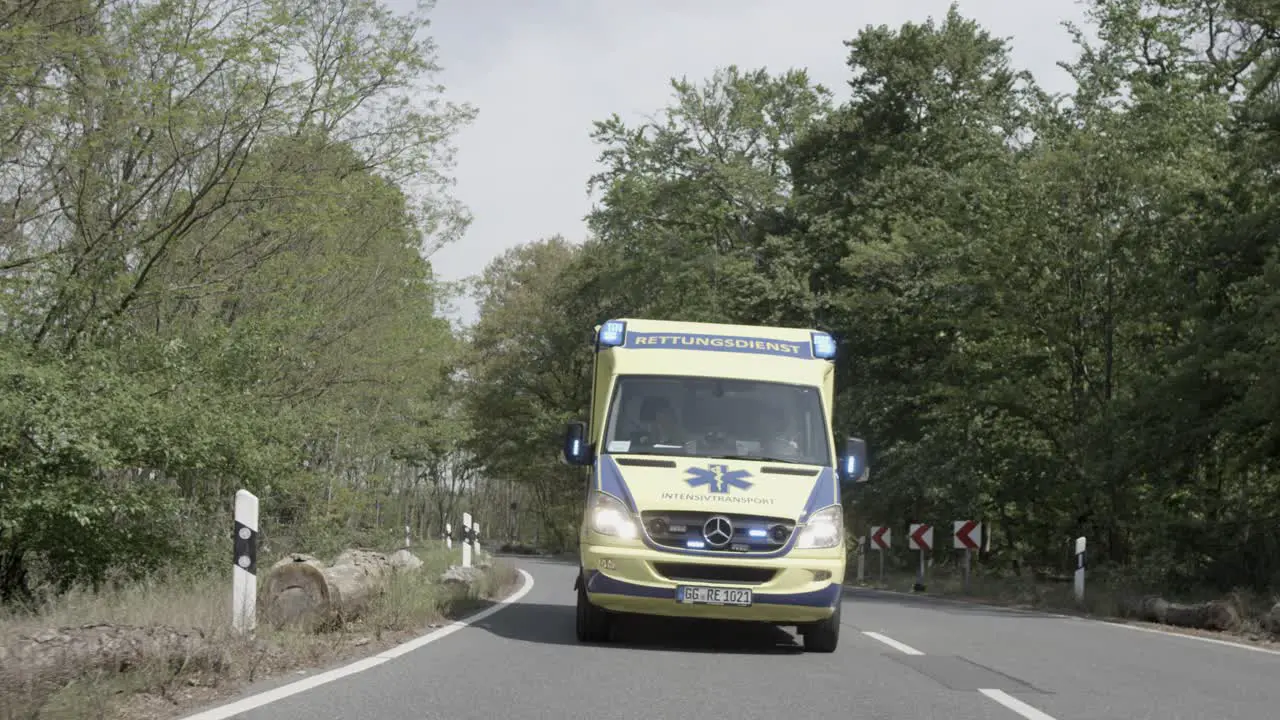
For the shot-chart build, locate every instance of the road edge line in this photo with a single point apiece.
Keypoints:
(266, 697)
(901, 647)
(1130, 625)
(1016, 705)
(1189, 636)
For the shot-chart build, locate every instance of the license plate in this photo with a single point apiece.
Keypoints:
(699, 595)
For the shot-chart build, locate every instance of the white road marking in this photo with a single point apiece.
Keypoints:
(1016, 705)
(1188, 636)
(293, 688)
(1082, 618)
(907, 649)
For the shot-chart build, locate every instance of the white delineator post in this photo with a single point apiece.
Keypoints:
(881, 538)
(244, 573)
(1080, 545)
(406, 536)
(963, 538)
(466, 539)
(920, 537)
(448, 535)
(475, 538)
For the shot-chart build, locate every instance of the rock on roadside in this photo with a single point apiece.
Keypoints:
(458, 575)
(1271, 621)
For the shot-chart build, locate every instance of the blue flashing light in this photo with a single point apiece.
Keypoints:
(757, 533)
(612, 333)
(824, 346)
(851, 466)
(698, 544)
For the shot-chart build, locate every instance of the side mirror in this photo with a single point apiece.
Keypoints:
(853, 462)
(576, 449)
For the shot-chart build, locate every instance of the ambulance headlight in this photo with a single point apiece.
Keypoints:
(825, 529)
(824, 346)
(612, 333)
(610, 517)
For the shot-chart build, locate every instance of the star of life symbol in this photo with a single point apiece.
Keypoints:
(718, 478)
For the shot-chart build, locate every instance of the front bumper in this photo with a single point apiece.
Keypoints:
(625, 579)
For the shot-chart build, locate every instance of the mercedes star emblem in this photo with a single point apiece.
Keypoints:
(718, 530)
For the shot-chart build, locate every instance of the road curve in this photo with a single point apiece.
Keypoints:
(900, 658)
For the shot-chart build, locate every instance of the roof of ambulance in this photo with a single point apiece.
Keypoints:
(679, 326)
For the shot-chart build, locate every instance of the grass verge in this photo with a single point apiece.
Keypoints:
(163, 648)
(1104, 598)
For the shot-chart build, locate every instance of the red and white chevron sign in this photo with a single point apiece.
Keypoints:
(880, 537)
(920, 537)
(968, 534)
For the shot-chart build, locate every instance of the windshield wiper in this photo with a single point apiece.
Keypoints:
(760, 458)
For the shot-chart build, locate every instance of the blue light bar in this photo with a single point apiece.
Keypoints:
(612, 333)
(695, 544)
(756, 532)
(824, 346)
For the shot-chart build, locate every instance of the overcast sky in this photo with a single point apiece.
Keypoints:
(540, 71)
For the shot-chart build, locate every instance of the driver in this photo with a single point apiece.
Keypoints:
(779, 440)
(658, 423)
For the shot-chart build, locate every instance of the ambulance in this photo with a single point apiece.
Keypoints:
(715, 481)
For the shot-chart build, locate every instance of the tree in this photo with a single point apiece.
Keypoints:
(214, 225)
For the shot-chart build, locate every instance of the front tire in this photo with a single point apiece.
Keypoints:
(824, 635)
(593, 622)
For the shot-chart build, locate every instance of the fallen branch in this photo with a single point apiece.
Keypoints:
(55, 657)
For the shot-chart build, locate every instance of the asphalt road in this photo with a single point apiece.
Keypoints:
(900, 658)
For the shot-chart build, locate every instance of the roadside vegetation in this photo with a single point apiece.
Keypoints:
(216, 219)
(164, 646)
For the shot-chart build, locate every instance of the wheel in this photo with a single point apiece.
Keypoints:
(824, 635)
(593, 622)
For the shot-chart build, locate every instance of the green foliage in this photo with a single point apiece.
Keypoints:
(527, 377)
(1057, 314)
(214, 219)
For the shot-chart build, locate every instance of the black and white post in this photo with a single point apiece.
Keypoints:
(448, 536)
(406, 536)
(475, 538)
(1080, 545)
(466, 539)
(244, 573)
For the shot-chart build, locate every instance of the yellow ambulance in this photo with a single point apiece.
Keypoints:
(715, 480)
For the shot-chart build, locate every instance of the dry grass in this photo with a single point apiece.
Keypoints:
(157, 681)
(1104, 597)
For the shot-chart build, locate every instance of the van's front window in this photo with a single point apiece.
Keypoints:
(715, 417)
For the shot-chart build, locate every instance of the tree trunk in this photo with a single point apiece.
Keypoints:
(301, 590)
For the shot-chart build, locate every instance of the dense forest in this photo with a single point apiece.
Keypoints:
(1057, 314)
(216, 217)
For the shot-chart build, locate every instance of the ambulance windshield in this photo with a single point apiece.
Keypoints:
(717, 417)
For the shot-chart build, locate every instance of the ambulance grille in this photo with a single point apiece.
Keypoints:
(683, 531)
(693, 572)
